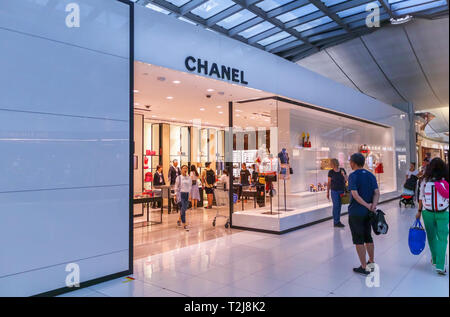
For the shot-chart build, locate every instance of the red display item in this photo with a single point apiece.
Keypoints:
(148, 177)
(364, 149)
(145, 160)
(147, 152)
(379, 169)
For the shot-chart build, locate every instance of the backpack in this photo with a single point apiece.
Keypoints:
(210, 177)
(378, 222)
(433, 200)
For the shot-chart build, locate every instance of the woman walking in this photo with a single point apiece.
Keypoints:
(195, 192)
(337, 177)
(183, 186)
(433, 207)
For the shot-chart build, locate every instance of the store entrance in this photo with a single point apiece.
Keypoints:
(180, 121)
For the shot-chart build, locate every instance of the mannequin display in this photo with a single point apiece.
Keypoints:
(285, 171)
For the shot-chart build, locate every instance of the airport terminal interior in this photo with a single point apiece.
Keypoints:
(224, 148)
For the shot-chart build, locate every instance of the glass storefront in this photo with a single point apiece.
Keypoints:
(287, 148)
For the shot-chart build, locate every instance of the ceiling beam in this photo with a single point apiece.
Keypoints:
(387, 7)
(262, 14)
(191, 5)
(332, 15)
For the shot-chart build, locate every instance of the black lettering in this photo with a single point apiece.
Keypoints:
(226, 72)
(242, 78)
(214, 70)
(235, 75)
(201, 66)
(186, 63)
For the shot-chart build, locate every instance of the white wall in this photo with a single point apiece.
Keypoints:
(64, 143)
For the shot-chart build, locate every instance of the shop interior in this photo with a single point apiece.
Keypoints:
(183, 117)
(286, 146)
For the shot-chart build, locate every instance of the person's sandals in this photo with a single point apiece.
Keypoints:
(178, 223)
(186, 228)
(361, 270)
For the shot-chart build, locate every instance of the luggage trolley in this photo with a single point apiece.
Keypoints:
(222, 200)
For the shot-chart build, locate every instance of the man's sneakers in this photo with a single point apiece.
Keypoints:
(441, 272)
(339, 225)
(361, 270)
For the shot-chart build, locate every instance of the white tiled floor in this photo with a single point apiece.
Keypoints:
(314, 261)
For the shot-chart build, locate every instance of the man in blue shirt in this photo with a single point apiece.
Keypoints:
(364, 199)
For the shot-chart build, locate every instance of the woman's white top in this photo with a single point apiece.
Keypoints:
(194, 177)
(226, 180)
(183, 184)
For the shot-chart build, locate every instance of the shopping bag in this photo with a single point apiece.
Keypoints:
(345, 198)
(417, 238)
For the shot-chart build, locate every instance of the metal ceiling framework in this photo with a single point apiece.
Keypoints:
(293, 29)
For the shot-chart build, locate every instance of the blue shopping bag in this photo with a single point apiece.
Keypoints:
(417, 238)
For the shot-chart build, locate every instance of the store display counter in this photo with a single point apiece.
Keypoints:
(146, 200)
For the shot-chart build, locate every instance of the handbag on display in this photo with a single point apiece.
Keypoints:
(417, 238)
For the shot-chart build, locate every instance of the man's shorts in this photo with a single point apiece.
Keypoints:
(209, 191)
(360, 229)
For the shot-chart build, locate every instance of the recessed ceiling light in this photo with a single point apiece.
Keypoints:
(169, 97)
(221, 112)
(237, 110)
(177, 82)
(136, 91)
(202, 109)
(154, 116)
(219, 107)
(136, 103)
(210, 90)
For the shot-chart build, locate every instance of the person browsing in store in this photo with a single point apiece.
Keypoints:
(195, 192)
(365, 194)
(244, 178)
(174, 172)
(412, 171)
(158, 180)
(183, 187)
(208, 182)
(225, 180)
(433, 207)
(337, 178)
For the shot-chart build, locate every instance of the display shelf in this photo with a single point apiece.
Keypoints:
(312, 149)
(308, 193)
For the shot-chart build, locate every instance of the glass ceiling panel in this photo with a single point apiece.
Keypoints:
(255, 30)
(330, 3)
(178, 3)
(297, 13)
(274, 38)
(417, 8)
(313, 23)
(410, 3)
(212, 7)
(157, 9)
(394, 1)
(236, 19)
(268, 5)
(355, 10)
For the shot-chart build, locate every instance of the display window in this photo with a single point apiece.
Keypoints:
(296, 144)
